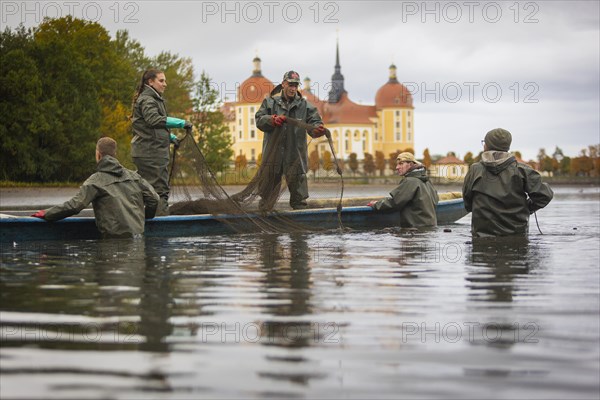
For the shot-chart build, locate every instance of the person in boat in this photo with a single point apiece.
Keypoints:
(287, 142)
(415, 197)
(122, 200)
(151, 135)
(501, 192)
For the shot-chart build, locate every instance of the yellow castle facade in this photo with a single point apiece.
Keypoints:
(387, 126)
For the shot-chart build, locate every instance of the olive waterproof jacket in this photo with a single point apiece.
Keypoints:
(415, 198)
(151, 137)
(292, 150)
(120, 197)
(502, 193)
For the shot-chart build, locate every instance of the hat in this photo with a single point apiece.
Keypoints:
(407, 157)
(291, 76)
(498, 139)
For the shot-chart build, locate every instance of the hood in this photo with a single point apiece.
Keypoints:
(110, 165)
(419, 172)
(497, 161)
(149, 91)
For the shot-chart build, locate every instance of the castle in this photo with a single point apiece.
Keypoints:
(387, 126)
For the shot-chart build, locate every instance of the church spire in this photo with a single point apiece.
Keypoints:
(337, 79)
(257, 69)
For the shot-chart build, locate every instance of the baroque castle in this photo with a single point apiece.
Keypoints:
(387, 126)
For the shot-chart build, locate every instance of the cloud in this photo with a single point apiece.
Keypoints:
(532, 50)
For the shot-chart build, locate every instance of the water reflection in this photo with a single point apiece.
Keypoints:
(494, 265)
(285, 264)
(497, 270)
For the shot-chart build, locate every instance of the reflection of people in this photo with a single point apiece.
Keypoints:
(120, 197)
(500, 192)
(151, 135)
(415, 196)
(291, 157)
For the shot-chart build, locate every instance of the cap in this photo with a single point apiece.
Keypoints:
(407, 157)
(498, 139)
(291, 76)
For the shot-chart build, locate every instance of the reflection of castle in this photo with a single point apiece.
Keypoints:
(387, 126)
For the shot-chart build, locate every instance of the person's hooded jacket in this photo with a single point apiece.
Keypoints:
(501, 193)
(120, 197)
(151, 137)
(415, 198)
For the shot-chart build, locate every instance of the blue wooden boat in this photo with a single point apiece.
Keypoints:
(16, 229)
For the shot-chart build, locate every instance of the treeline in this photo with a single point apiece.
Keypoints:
(66, 83)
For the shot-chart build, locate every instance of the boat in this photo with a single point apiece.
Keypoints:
(16, 229)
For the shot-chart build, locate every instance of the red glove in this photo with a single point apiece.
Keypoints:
(372, 203)
(278, 120)
(40, 214)
(318, 131)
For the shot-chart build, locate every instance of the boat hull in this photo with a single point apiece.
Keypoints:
(17, 229)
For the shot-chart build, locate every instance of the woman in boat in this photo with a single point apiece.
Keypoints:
(415, 196)
(151, 135)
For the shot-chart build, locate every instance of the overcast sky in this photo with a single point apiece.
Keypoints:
(531, 67)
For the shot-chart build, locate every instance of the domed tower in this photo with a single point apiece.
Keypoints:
(395, 116)
(247, 138)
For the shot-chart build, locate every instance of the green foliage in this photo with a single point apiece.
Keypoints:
(213, 133)
(313, 161)
(63, 85)
(469, 160)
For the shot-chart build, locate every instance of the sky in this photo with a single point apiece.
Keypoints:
(532, 67)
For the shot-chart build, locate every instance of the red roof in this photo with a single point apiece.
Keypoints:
(393, 94)
(449, 160)
(254, 89)
(346, 111)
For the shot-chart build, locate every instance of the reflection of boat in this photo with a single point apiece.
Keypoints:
(14, 229)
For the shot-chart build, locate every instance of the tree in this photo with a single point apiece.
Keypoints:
(369, 164)
(314, 162)
(380, 162)
(426, 158)
(327, 161)
(392, 160)
(180, 78)
(353, 163)
(213, 138)
(241, 162)
(469, 160)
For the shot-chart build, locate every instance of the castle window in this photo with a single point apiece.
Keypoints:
(408, 136)
(397, 113)
(252, 110)
(397, 124)
(398, 136)
(252, 151)
(240, 134)
(252, 134)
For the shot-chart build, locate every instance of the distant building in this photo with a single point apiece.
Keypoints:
(449, 168)
(386, 126)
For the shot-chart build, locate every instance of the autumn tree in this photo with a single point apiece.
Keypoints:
(468, 159)
(426, 158)
(353, 163)
(212, 136)
(327, 161)
(392, 160)
(380, 162)
(313, 162)
(369, 164)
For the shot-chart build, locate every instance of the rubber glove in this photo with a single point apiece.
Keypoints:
(40, 214)
(278, 120)
(318, 131)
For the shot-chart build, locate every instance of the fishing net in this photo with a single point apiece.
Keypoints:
(260, 205)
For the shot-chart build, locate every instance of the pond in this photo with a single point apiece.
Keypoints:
(374, 314)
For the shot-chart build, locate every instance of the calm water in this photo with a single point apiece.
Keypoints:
(385, 314)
